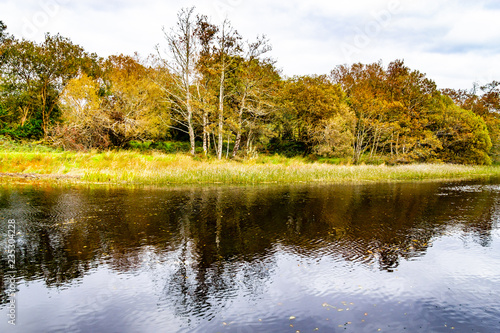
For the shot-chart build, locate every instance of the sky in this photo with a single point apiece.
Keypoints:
(456, 43)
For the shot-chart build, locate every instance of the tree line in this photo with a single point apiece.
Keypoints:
(226, 97)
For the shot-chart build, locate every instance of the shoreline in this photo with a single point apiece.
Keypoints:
(37, 176)
(159, 169)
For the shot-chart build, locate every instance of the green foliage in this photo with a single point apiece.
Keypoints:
(465, 138)
(34, 76)
(32, 129)
(483, 101)
(163, 146)
(334, 161)
(8, 144)
(288, 148)
(140, 145)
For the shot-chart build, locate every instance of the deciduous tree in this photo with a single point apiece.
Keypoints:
(40, 72)
(180, 68)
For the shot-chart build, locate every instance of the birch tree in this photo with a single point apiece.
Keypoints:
(227, 48)
(205, 32)
(221, 49)
(183, 54)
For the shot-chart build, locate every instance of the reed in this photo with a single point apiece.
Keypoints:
(154, 168)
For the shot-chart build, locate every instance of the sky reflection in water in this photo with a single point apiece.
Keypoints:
(359, 258)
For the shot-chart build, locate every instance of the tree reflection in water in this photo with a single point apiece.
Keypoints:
(213, 242)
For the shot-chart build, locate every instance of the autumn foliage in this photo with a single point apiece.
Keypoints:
(225, 97)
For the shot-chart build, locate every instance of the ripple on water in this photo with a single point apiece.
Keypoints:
(359, 259)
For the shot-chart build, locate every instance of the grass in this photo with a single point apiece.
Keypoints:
(154, 168)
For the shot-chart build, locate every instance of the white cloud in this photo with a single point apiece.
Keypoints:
(454, 42)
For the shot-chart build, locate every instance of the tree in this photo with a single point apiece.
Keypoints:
(3, 29)
(361, 84)
(221, 48)
(123, 105)
(225, 51)
(392, 108)
(312, 110)
(205, 32)
(38, 73)
(409, 95)
(84, 125)
(333, 137)
(183, 51)
(401, 112)
(133, 101)
(463, 135)
(485, 102)
(255, 86)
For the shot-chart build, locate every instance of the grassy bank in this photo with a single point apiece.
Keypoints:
(161, 169)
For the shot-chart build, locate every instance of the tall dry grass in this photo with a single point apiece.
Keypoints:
(160, 169)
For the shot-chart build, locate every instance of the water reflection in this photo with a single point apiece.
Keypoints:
(200, 254)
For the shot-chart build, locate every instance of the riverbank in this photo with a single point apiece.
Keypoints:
(154, 168)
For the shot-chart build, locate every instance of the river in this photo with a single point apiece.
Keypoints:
(382, 257)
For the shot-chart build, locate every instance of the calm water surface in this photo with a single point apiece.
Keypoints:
(415, 257)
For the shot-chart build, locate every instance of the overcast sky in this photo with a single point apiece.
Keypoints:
(455, 43)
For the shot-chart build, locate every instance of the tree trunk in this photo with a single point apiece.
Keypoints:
(215, 144)
(237, 141)
(249, 141)
(392, 140)
(190, 116)
(45, 116)
(205, 134)
(357, 143)
(191, 133)
(209, 145)
(25, 112)
(375, 142)
(221, 113)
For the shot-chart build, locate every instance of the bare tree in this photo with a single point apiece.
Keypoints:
(183, 52)
(206, 33)
(228, 46)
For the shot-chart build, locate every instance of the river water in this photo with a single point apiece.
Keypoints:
(384, 257)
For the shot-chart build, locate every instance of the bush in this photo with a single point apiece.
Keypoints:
(287, 148)
(78, 138)
(32, 129)
(146, 145)
(172, 147)
(465, 138)
(163, 146)
(7, 143)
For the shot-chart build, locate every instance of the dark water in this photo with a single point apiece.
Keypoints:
(346, 258)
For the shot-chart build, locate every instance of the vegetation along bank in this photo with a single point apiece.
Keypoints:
(209, 106)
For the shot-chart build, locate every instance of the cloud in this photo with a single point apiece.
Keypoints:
(454, 42)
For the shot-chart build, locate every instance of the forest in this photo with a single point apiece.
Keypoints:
(211, 93)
